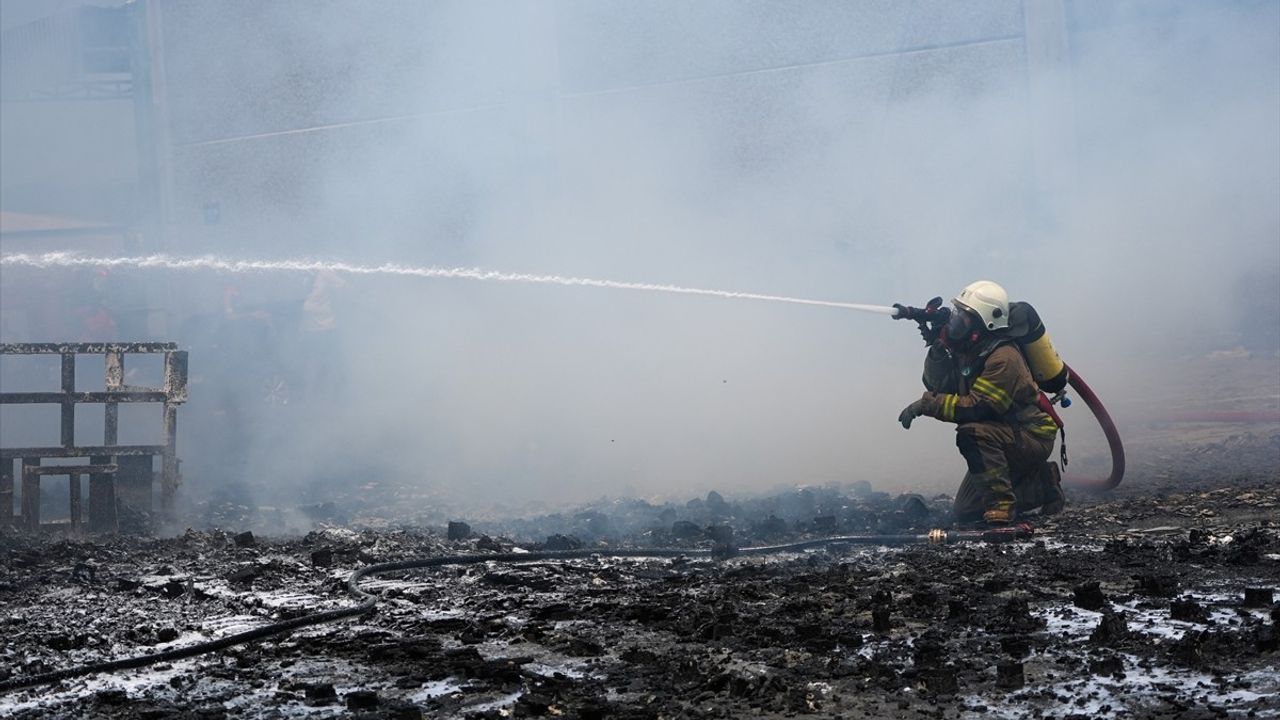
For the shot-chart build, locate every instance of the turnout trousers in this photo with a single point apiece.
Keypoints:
(1007, 470)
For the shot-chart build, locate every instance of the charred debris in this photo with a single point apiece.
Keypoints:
(1141, 604)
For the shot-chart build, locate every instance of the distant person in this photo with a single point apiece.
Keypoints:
(233, 308)
(320, 342)
(93, 310)
(249, 345)
(975, 376)
(318, 307)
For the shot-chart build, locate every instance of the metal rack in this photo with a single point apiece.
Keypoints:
(112, 468)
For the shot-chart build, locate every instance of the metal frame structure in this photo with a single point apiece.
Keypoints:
(111, 466)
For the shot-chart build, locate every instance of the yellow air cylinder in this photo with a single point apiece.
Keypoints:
(1046, 366)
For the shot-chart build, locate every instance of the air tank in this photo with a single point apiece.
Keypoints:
(1046, 366)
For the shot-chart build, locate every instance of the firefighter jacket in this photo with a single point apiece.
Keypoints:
(990, 383)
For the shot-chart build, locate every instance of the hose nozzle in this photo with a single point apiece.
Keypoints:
(932, 312)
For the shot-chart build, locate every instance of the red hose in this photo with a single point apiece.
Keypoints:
(1108, 428)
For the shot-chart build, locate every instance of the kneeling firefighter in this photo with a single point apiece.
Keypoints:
(975, 375)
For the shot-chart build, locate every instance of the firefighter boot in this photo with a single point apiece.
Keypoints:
(1056, 500)
(998, 497)
(998, 516)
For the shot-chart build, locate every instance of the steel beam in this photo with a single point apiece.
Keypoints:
(85, 348)
(83, 451)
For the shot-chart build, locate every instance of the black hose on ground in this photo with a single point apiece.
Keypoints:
(366, 601)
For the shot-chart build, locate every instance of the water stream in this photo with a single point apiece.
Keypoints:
(210, 262)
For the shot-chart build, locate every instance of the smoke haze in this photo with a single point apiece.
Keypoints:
(1117, 164)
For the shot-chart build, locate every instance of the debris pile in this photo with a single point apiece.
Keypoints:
(1162, 617)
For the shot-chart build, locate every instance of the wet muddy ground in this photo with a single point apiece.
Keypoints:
(1156, 600)
(1160, 603)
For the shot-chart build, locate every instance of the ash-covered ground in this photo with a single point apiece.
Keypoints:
(1158, 599)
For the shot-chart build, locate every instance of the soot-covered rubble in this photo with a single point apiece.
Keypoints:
(1156, 600)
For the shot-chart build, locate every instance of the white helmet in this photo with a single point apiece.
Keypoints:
(988, 300)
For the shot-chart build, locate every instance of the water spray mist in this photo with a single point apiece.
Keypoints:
(208, 262)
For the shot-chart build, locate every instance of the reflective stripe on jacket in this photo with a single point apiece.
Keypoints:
(1003, 389)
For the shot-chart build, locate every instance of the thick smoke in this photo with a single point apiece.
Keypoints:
(1116, 164)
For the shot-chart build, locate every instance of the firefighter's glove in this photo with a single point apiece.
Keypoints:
(912, 411)
(929, 332)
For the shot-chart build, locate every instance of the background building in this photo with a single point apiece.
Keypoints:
(1094, 156)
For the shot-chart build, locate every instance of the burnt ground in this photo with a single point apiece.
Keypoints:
(1158, 599)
